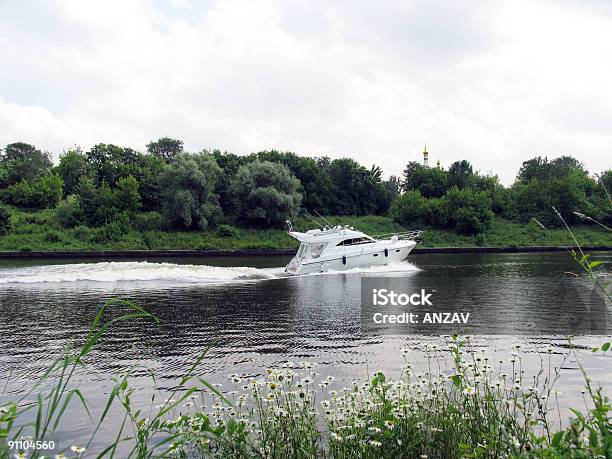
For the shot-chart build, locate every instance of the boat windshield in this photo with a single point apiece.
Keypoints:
(303, 251)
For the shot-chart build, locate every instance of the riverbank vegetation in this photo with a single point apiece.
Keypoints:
(115, 197)
(40, 230)
(465, 404)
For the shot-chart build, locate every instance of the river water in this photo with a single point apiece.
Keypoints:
(256, 317)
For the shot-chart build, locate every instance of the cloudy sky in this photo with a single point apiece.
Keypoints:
(491, 82)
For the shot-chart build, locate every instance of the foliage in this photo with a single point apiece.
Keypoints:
(265, 193)
(431, 182)
(73, 165)
(28, 228)
(165, 148)
(127, 194)
(466, 211)
(5, 220)
(188, 186)
(228, 231)
(108, 179)
(460, 174)
(43, 192)
(114, 230)
(410, 208)
(469, 211)
(562, 183)
(69, 212)
(102, 205)
(22, 161)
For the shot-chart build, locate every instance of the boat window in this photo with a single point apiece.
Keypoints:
(356, 241)
(316, 249)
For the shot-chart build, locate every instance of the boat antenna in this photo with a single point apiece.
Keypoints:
(324, 219)
(313, 220)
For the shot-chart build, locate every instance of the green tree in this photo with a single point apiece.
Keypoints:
(111, 162)
(460, 174)
(265, 193)
(23, 161)
(432, 182)
(98, 204)
(165, 148)
(393, 187)
(127, 195)
(562, 182)
(187, 188)
(73, 165)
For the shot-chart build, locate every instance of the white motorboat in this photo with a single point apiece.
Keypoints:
(343, 247)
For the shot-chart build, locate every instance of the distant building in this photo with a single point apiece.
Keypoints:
(425, 157)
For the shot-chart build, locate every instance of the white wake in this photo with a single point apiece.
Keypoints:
(124, 272)
(398, 268)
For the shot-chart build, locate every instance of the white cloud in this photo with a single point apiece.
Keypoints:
(494, 83)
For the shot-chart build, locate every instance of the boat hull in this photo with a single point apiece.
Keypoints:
(378, 255)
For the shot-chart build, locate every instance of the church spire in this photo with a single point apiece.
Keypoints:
(425, 156)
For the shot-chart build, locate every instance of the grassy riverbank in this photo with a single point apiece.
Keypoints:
(40, 231)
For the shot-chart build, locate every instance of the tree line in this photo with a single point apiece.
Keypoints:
(107, 185)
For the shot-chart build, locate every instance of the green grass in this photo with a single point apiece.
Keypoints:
(39, 231)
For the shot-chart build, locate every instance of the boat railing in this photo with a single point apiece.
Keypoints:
(406, 235)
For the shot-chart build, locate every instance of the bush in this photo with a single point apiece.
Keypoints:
(103, 204)
(147, 221)
(410, 208)
(82, 233)
(69, 212)
(5, 220)
(44, 192)
(228, 231)
(265, 193)
(469, 210)
(114, 230)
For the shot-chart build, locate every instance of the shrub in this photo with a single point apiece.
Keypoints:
(265, 193)
(82, 233)
(410, 208)
(44, 192)
(469, 210)
(5, 220)
(103, 204)
(228, 231)
(69, 212)
(114, 230)
(147, 221)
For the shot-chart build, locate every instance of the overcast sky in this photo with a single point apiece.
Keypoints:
(495, 83)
